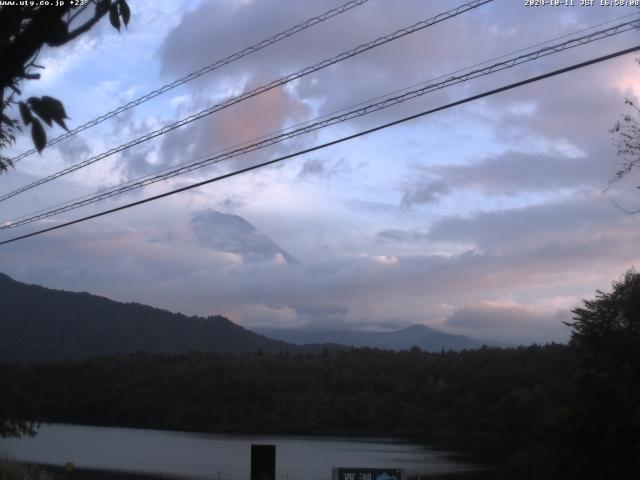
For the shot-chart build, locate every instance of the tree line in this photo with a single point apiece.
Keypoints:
(349, 392)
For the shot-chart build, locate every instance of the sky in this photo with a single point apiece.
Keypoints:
(492, 219)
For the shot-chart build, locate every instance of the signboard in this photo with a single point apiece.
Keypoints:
(351, 473)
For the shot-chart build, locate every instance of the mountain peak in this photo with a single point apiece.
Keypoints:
(230, 221)
(232, 233)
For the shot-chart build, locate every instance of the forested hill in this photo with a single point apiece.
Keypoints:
(38, 323)
(342, 392)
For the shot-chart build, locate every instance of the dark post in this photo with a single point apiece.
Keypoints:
(263, 462)
(69, 468)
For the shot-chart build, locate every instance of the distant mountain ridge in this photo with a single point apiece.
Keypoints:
(38, 323)
(428, 339)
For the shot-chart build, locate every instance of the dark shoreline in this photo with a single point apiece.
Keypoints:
(58, 473)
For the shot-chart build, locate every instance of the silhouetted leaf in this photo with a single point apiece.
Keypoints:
(25, 113)
(40, 109)
(113, 16)
(60, 122)
(49, 108)
(56, 106)
(55, 109)
(125, 11)
(38, 135)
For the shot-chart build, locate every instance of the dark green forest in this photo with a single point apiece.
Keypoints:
(362, 391)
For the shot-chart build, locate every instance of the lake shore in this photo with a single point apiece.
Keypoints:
(204, 455)
(58, 473)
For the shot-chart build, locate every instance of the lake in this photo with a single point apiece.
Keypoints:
(213, 456)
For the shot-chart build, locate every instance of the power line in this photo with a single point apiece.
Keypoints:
(203, 71)
(310, 127)
(513, 52)
(172, 172)
(344, 109)
(333, 142)
(264, 88)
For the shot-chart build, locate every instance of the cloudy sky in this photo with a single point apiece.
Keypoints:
(491, 219)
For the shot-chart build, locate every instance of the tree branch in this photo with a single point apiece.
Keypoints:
(84, 28)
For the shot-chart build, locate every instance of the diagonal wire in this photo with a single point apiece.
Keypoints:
(252, 93)
(328, 144)
(355, 113)
(203, 71)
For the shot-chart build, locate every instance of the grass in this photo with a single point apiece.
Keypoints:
(11, 470)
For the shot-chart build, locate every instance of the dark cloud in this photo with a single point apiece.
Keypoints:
(74, 150)
(424, 193)
(371, 207)
(313, 167)
(232, 202)
(321, 314)
(394, 235)
(323, 169)
(135, 161)
(563, 142)
(562, 222)
(322, 310)
(514, 173)
(509, 322)
(240, 125)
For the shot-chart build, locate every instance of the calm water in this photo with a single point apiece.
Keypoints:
(197, 456)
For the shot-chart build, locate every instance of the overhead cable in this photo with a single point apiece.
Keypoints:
(328, 144)
(257, 91)
(324, 123)
(203, 71)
